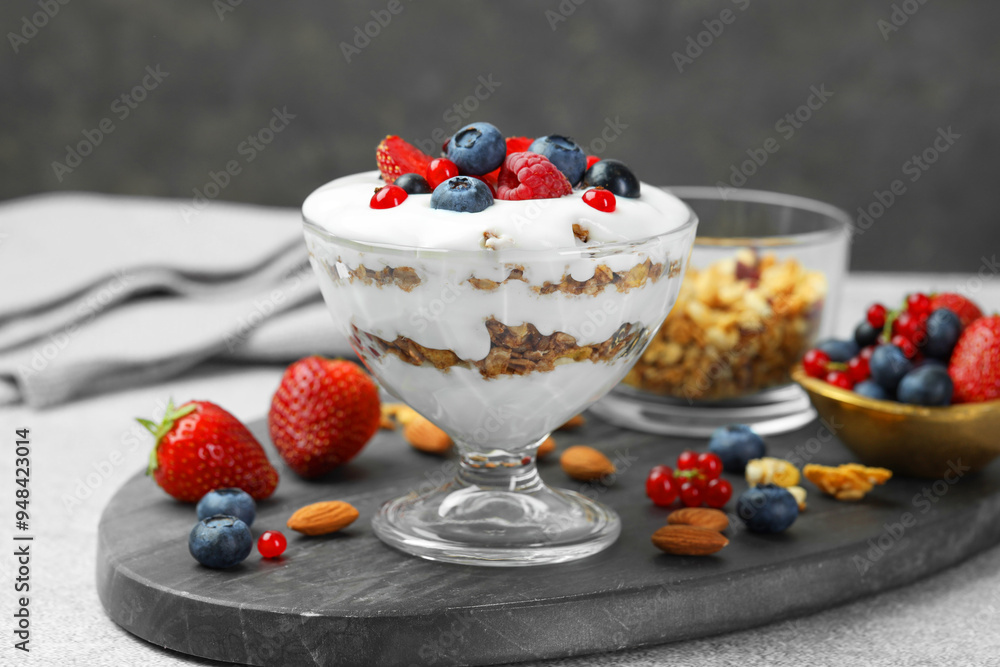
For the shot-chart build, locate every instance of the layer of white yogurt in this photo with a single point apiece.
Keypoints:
(342, 208)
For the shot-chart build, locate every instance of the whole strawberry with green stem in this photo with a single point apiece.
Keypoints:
(323, 413)
(200, 447)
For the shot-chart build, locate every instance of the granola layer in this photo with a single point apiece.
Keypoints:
(517, 350)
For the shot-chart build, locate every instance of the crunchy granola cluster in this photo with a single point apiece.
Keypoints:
(403, 277)
(738, 326)
(515, 350)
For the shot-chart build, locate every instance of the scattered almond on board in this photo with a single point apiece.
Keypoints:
(425, 436)
(547, 447)
(681, 540)
(585, 463)
(322, 518)
(703, 517)
(574, 422)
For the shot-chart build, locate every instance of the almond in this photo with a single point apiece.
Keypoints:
(546, 448)
(585, 463)
(322, 518)
(689, 540)
(703, 517)
(425, 436)
(574, 422)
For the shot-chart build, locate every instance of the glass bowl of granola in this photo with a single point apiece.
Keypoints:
(761, 287)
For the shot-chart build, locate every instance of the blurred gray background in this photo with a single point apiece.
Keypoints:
(679, 90)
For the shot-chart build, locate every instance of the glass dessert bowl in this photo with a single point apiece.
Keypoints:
(498, 345)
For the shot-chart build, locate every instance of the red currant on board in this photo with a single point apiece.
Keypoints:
(709, 465)
(876, 316)
(839, 379)
(815, 363)
(687, 460)
(857, 369)
(918, 304)
(690, 495)
(440, 170)
(656, 475)
(664, 492)
(718, 492)
(601, 199)
(271, 544)
(388, 196)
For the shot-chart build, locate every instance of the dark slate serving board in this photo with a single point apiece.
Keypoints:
(347, 599)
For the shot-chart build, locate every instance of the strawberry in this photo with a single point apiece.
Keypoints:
(323, 414)
(967, 311)
(396, 157)
(975, 362)
(200, 447)
(531, 176)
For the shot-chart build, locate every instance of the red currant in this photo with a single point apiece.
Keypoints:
(815, 363)
(918, 304)
(857, 369)
(903, 343)
(440, 170)
(690, 495)
(601, 199)
(709, 465)
(718, 492)
(271, 544)
(867, 352)
(656, 475)
(592, 160)
(664, 492)
(876, 316)
(906, 325)
(388, 196)
(687, 460)
(839, 379)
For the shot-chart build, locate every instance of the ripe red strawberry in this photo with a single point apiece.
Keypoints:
(323, 413)
(967, 311)
(975, 362)
(200, 447)
(514, 145)
(396, 157)
(531, 176)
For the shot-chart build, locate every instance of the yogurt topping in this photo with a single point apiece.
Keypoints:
(342, 208)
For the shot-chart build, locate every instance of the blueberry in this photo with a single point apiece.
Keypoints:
(839, 350)
(931, 361)
(866, 334)
(231, 502)
(477, 149)
(564, 153)
(767, 508)
(872, 390)
(614, 176)
(888, 365)
(928, 385)
(943, 330)
(220, 541)
(735, 445)
(463, 194)
(413, 184)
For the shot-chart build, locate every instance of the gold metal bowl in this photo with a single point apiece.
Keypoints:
(910, 440)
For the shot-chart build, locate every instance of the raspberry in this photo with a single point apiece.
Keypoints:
(530, 176)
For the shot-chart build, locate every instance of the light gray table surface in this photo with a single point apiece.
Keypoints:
(86, 448)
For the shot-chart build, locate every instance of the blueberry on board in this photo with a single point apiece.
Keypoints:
(463, 194)
(872, 389)
(865, 334)
(231, 502)
(943, 329)
(767, 508)
(477, 149)
(928, 385)
(413, 184)
(220, 541)
(564, 153)
(735, 445)
(839, 350)
(888, 365)
(612, 175)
